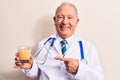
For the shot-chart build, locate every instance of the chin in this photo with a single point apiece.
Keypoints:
(64, 36)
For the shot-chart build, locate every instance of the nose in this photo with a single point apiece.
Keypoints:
(65, 21)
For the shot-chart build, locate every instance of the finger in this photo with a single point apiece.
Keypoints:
(31, 59)
(59, 58)
(18, 63)
(17, 59)
(62, 58)
(26, 66)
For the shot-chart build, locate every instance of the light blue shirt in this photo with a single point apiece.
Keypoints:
(54, 69)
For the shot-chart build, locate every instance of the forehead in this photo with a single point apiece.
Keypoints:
(66, 10)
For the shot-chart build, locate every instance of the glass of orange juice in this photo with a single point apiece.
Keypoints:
(24, 53)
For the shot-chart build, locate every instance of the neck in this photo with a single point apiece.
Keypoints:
(64, 36)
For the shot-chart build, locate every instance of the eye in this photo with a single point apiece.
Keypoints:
(70, 18)
(59, 17)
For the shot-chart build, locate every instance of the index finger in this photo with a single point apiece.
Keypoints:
(62, 58)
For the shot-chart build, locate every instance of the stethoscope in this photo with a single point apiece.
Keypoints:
(51, 45)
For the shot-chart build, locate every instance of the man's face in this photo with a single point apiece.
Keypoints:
(66, 21)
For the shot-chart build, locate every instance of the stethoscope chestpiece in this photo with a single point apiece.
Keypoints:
(84, 61)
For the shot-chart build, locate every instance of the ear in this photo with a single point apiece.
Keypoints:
(54, 18)
(78, 20)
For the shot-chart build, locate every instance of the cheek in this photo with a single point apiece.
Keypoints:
(57, 26)
(74, 24)
(57, 23)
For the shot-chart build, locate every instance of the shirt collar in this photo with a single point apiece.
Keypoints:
(69, 40)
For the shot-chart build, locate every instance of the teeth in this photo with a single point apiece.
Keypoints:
(63, 26)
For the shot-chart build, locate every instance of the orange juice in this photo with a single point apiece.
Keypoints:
(24, 55)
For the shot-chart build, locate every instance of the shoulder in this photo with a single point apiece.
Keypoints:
(88, 47)
(46, 40)
(85, 42)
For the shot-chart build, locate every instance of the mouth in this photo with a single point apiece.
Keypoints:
(63, 27)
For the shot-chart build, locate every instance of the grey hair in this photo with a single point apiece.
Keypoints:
(64, 3)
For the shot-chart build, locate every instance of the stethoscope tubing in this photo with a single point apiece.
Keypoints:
(51, 45)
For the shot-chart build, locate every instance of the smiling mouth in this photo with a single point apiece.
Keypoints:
(63, 27)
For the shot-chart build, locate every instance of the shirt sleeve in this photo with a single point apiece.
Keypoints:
(91, 70)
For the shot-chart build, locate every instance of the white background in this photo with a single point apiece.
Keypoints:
(26, 22)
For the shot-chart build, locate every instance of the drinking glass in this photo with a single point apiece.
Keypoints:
(24, 53)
